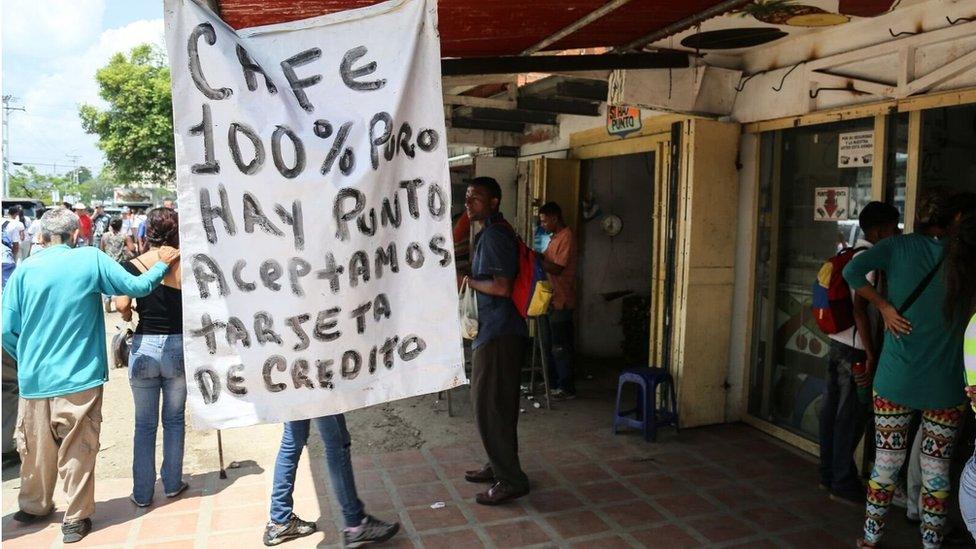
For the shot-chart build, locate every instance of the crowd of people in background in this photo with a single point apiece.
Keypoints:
(21, 234)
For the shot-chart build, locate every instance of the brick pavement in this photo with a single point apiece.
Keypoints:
(720, 486)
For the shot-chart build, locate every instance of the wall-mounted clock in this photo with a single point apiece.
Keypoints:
(612, 224)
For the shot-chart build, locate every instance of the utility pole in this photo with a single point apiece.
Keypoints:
(7, 99)
(74, 163)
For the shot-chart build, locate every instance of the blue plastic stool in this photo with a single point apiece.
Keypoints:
(647, 416)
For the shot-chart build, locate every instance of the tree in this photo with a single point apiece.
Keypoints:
(136, 131)
(27, 182)
(80, 174)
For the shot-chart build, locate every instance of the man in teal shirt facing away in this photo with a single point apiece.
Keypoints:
(53, 326)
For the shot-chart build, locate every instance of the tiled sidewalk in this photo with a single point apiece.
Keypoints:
(717, 486)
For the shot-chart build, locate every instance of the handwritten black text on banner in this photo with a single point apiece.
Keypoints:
(315, 212)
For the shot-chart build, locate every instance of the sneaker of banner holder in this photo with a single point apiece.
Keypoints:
(372, 530)
(295, 528)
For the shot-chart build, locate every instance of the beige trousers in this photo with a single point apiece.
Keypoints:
(59, 435)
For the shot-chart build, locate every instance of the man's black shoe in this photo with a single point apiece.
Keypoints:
(295, 528)
(75, 531)
(485, 475)
(501, 492)
(24, 517)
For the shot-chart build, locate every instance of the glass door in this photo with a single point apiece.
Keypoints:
(947, 143)
(814, 181)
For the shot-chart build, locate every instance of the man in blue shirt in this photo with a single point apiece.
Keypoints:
(53, 327)
(499, 347)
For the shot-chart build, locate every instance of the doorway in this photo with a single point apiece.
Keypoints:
(616, 241)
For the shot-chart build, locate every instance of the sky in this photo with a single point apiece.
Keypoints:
(51, 50)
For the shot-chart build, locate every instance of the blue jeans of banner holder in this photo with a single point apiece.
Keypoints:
(156, 369)
(557, 334)
(338, 458)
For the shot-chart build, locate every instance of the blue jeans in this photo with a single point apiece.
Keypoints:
(842, 422)
(156, 367)
(557, 334)
(338, 458)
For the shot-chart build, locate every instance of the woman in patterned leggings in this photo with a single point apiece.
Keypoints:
(920, 367)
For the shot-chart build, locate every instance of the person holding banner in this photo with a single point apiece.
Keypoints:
(285, 525)
(499, 347)
(54, 328)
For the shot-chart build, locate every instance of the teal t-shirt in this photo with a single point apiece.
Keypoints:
(924, 369)
(53, 323)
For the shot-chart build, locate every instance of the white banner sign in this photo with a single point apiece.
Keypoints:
(855, 149)
(315, 228)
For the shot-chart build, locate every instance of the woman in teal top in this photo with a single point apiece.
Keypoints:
(920, 367)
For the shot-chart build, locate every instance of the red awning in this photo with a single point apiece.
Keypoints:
(471, 28)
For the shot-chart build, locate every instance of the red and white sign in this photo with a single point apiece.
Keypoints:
(831, 204)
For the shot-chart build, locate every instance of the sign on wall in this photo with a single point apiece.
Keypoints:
(622, 120)
(314, 196)
(831, 204)
(855, 149)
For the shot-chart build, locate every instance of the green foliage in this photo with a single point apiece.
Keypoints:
(28, 182)
(80, 174)
(136, 131)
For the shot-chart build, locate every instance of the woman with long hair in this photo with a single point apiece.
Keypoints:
(156, 366)
(920, 368)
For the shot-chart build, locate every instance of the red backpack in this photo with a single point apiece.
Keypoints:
(833, 307)
(526, 289)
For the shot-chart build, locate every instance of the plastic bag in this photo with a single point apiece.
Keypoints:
(468, 303)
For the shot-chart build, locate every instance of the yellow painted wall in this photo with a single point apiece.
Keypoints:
(707, 219)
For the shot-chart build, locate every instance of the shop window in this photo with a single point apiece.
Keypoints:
(947, 143)
(813, 183)
(897, 162)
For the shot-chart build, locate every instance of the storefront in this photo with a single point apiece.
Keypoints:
(814, 174)
(648, 206)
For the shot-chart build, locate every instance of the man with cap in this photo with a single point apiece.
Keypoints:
(84, 224)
